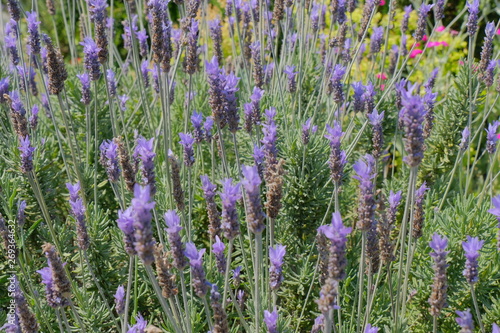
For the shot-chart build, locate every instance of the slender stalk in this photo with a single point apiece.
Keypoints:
(476, 307)
(226, 273)
(131, 265)
(257, 268)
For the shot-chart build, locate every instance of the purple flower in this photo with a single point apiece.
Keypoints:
(237, 276)
(464, 320)
(195, 257)
(187, 142)
(26, 151)
(230, 104)
(197, 122)
(473, 8)
(337, 233)
(422, 21)
(291, 74)
(78, 212)
(20, 216)
(173, 222)
(216, 98)
(140, 325)
(52, 296)
(229, 196)
(307, 129)
(371, 329)
(491, 137)
(91, 60)
(335, 84)
(123, 102)
(270, 131)
(495, 201)
(144, 152)
(145, 72)
(33, 120)
(375, 118)
(366, 205)
(404, 25)
(464, 142)
(34, 34)
(271, 321)
(110, 76)
(4, 89)
(412, 117)
(471, 248)
(109, 159)
(437, 300)
(207, 126)
(276, 256)
(376, 40)
(143, 234)
(11, 45)
(251, 182)
(495, 328)
(218, 249)
(142, 37)
(86, 94)
(394, 199)
(338, 158)
(125, 222)
(120, 300)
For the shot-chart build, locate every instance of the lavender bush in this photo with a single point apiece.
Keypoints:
(249, 166)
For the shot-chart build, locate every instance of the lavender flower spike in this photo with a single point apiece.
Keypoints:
(422, 21)
(338, 158)
(218, 249)
(464, 142)
(78, 212)
(292, 84)
(144, 152)
(365, 174)
(251, 182)
(307, 130)
(143, 234)
(437, 300)
(109, 159)
(464, 320)
(125, 222)
(26, 151)
(20, 216)
(473, 8)
(212, 211)
(34, 34)
(271, 321)
(276, 256)
(120, 300)
(419, 213)
(229, 195)
(200, 284)
(337, 233)
(491, 137)
(110, 76)
(173, 222)
(377, 135)
(91, 61)
(412, 117)
(86, 94)
(140, 325)
(187, 142)
(197, 122)
(472, 247)
(335, 84)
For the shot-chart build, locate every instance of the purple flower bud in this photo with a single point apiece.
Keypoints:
(143, 234)
(145, 72)
(471, 248)
(110, 76)
(258, 74)
(271, 321)
(120, 300)
(144, 152)
(142, 37)
(412, 117)
(376, 40)
(307, 129)
(491, 137)
(276, 256)
(34, 34)
(404, 25)
(395, 199)
(496, 211)
(109, 159)
(464, 320)
(11, 45)
(200, 284)
(292, 83)
(229, 196)
(437, 300)
(335, 84)
(20, 216)
(422, 21)
(91, 60)
(207, 126)
(173, 222)
(464, 142)
(26, 151)
(4, 89)
(140, 325)
(187, 142)
(473, 8)
(218, 249)
(237, 276)
(337, 159)
(216, 35)
(86, 94)
(251, 182)
(366, 205)
(197, 122)
(33, 120)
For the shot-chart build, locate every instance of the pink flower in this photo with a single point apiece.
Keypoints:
(460, 62)
(424, 38)
(498, 32)
(415, 52)
(382, 88)
(498, 136)
(441, 28)
(382, 2)
(433, 44)
(382, 76)
(454, 32)
(417, 44)
(443, 43)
